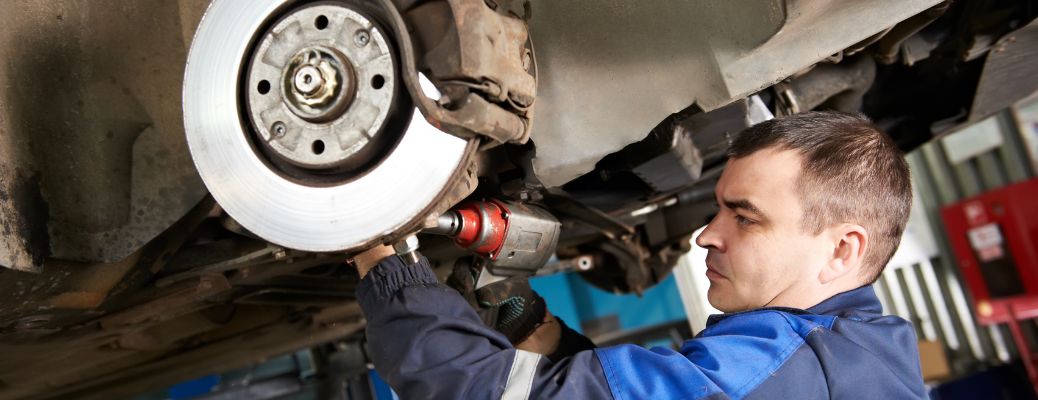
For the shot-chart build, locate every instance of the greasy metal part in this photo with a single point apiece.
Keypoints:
(71, 291)
(479, 46)
(631, 265)
(858, 47)
(578, 264)
(757, 111)
(24, 240)
(677, 162)
(407, 249)
(249, 339)
(432, 166)
(93, 162)
(337, 314)
(295, 297)
(252, 257)
(889, 47)
(482, 50)
(167, 333)
(201, 255)
(830, 86)
(591, 63)
(918, 47)
(1008, 73)
(317, 95)
(167, 322)
(179, 300)
(684, 150)
(626, 266)
(259, 274)
(566, 207)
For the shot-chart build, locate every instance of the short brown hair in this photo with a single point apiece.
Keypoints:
(852, 172)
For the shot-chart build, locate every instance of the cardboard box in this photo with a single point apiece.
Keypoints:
(933, 360)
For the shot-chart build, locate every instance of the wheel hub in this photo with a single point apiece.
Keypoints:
(320, 85)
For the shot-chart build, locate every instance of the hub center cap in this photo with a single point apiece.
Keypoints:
(309, 79)
(318, 97)
(319, 84)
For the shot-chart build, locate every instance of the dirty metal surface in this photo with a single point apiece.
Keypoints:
(598, 93)
(480, 59)
(1008, 72)
(136, 362)
(93, 161)
(66, 293)
(91, 324)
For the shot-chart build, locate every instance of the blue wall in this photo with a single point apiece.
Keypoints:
(574, 300)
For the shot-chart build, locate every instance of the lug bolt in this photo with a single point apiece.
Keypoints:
(362, 38)
(279, 129)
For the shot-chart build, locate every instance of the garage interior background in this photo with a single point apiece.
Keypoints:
(923, 283)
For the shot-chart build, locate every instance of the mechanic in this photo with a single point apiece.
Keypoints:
(811, 208)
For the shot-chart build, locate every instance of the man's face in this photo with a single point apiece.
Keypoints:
(758, 254)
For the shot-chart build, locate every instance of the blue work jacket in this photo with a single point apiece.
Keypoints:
(428, 343)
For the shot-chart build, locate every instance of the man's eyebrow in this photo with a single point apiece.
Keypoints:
(744, 204)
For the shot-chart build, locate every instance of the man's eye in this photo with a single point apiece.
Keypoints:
(743, 221)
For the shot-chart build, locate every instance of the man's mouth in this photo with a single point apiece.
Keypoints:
(711, 272)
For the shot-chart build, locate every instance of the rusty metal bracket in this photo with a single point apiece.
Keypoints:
(481, 60)
(179, 300)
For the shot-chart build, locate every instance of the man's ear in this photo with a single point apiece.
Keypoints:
(850, 242)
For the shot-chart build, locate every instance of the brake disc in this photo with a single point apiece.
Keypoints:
(301, 127)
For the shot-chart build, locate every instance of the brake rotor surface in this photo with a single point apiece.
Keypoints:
(299, 124)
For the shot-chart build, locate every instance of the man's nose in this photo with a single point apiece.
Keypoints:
(709, 238)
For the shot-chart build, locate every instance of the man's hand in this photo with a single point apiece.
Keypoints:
(510, 307)
(545, 338)
(370, 258)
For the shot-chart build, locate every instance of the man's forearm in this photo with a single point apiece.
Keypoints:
(421, 335)
(429, 343)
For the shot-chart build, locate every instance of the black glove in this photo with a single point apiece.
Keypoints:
(509, 306)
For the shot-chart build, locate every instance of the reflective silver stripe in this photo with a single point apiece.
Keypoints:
(520, 377)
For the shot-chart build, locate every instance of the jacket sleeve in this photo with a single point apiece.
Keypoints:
(427, 342)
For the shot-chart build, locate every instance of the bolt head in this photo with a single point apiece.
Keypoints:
(362, 38)
(279, 129)
(308, 79)
(406, 245)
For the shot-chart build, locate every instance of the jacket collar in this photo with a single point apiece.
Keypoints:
(857, 301)
(852, 303)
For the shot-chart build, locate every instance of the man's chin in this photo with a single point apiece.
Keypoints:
(720, 300)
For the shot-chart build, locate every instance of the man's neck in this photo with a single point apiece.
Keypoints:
(804, 298)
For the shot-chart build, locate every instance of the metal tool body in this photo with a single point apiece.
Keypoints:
(511, 239)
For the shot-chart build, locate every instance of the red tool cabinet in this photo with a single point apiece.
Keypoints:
(995, 240)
